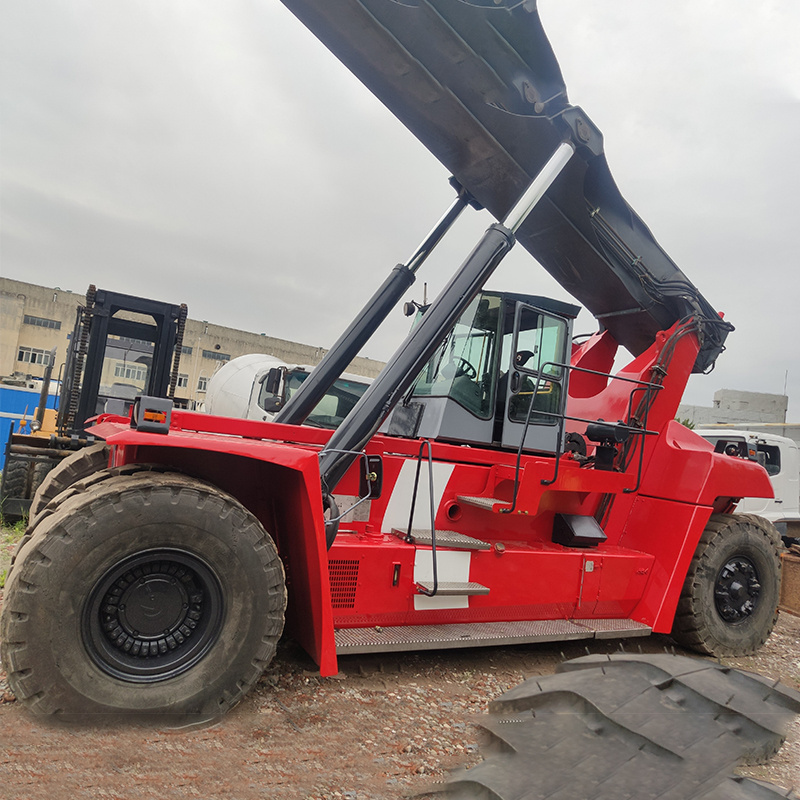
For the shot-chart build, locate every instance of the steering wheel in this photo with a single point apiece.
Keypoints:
(463, 367)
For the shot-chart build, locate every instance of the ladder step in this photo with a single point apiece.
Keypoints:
(481, 634)
(488, 503)
(452, 587)
(444, 539)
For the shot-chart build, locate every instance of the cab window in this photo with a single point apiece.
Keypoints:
(534, 355)
(463, 367)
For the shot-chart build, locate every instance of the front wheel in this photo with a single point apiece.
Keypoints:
(729, 602)
(150, 594)
(73, 468)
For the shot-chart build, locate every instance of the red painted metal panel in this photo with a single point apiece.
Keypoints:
(688, 470)
(525, 582)
(670, 531)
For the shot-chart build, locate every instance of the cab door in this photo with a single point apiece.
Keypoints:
(534, 358)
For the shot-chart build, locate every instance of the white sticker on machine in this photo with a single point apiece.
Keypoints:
(451, 566)
(399, 506)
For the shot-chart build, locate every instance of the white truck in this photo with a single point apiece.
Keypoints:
(780, 457)
(256, 386)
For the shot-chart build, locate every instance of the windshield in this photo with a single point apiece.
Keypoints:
(125, 373)
(462, 368)
(335, 405)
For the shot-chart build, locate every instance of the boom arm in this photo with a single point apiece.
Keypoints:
(478, 84)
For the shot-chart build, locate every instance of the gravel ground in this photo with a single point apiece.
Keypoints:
(385, 727)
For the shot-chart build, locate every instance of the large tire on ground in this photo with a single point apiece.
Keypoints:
(72, 469)
(729, 602)
(643, 726)
(150, 595)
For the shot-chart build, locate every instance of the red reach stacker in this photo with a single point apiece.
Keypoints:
(496, 484)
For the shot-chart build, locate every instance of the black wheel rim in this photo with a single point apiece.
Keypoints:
(737, 589)
(153, 616)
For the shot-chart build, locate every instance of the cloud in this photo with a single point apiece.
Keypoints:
(217, 154)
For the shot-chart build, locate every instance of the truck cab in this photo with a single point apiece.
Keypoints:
(257, 385)
(780, 457)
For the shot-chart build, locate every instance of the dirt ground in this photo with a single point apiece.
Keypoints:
(385, 727)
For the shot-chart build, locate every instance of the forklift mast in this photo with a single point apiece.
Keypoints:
(111, 319)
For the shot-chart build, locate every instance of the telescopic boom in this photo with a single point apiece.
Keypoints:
(478, 84)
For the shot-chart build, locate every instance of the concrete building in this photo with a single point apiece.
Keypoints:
(34, 319)
(754, 411)
(732, 406)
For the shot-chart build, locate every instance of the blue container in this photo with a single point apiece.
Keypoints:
(18, 404)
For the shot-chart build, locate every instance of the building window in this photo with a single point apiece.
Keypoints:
(186, 351)
(130, 372)
(183, 380)
(130, 340)
(41, 322)
(215, 356)
(30, 355)
(202, 383)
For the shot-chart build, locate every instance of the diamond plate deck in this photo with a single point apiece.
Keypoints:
(444, 539)
(479, 634)
(489, 503)
(615, 628)
(452, 588)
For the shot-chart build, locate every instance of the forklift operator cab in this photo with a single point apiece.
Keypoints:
(503, 355)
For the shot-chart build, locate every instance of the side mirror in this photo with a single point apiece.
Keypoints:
(272, 404)
(271, 381)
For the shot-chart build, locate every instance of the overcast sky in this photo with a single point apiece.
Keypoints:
(215, 153)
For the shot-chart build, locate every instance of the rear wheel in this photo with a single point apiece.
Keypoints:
(147, 595)
(729, 602)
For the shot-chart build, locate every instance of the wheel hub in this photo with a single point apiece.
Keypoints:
(153, 613)
(153, 616)
(737, 589)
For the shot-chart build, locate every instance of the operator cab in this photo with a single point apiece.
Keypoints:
(506, 351)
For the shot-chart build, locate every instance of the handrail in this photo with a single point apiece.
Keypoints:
(643, 385)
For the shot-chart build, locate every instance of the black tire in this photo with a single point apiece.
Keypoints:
(86, 484)
(729, 602)
(38, 472)
(72, 469)
(15, 478)
(644, 726)
(81, 636)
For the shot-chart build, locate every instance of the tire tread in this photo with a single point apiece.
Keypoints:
(642, 726)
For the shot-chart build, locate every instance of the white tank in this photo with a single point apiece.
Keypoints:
(230, 389)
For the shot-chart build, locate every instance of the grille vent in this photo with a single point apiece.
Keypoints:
(344, 579)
